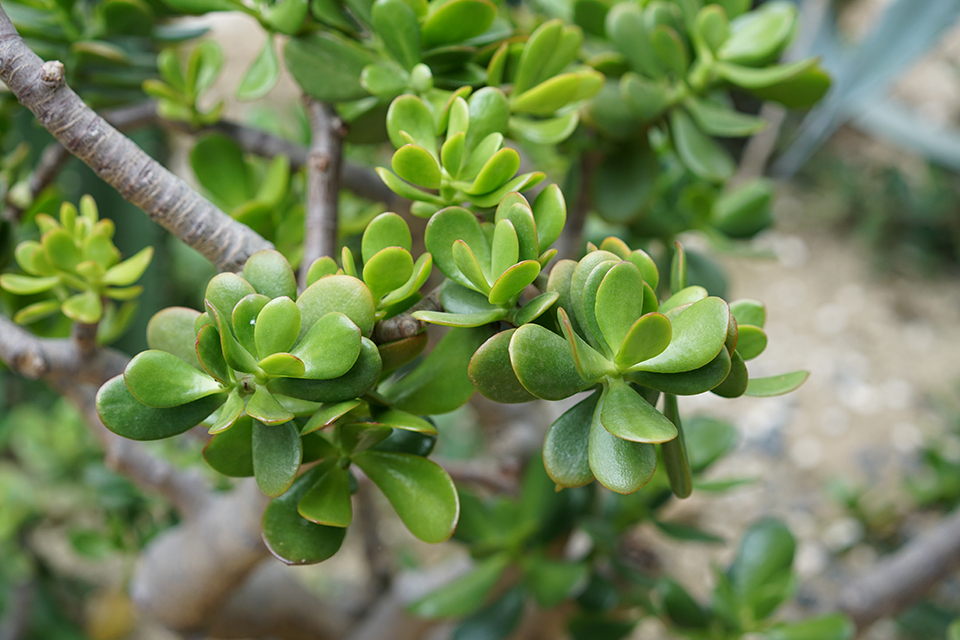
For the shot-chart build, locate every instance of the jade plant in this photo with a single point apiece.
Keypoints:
(509, 127)
(76, 262)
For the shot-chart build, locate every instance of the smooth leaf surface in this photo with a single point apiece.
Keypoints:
(126, 416)
(230, 452)
(776, 385)
(543, 363)
(160, 379)
(649, 336)
(565, 456)
(341, 293)
(626, 415)
(270, 274)
(327, 502)
(277, 451)
(360, 379)
(699, 333)
(172, 330)
(492, 374)
(619, 465)
(420, 491)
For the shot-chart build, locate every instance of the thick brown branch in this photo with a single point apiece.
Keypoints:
(903, 578)
(190, 571)
(323, 184)
(405, 325)
(55, 359)
(140, 179)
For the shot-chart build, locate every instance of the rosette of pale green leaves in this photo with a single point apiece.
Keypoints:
(76, 261)
(471, 164)
(388, 269)
(489, 265)
(545, 97)
(676, 61)
(179, 89)
(282, 380)
(616, 337)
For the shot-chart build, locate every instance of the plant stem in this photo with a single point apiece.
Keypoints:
(323, 184)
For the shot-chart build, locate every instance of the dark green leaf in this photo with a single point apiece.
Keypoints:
(277, 452)
(340, 59)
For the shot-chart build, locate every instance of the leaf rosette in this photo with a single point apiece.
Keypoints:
(76, 261)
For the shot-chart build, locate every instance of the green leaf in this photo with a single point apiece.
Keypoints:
(550, 213)
(711, 28)
(683, 297)
(327, 502)
(543, 363)
(440, 384)
(751, 341)
(626, 27)
(277, 326)
(465, 320)
(464, 595)
(230, 452)
(698, 152)
(126, 416)
(682, 609)
(619, 465)
(548, 131)
(520, 183)
(451, 153)
(688, 383)
(327, 414)
(85, 307)
(340, 293)
(495, 621)
(748, 311)
(410, 114)
(225, 290)
(649, 336)
(536, 55)
(209, 354)
(547, 97)
(292, 538)
(407, 191)
(341, 60)
(591, 364)
(497, 171)
(388, 270)
(396, 23)
(492, 374)
(521, 217)
(420, 491)
(263, 74)
(627, 415)
(456, 21)
(265, 408)
(37, 311)
(283, 365)
(160, 379)
(647, 98)
(834, 626)
(321, 267)
(618, 307)
(776, 385)
(397, 419)
(228, 413)
(201, 6)
(386, 230)
(27, 285)
(553, 581)
(357, 381)
(766, 550)
(802, 91)
(217, 162)
(744, 211)
(750, 78)
(735, 384)
(468, 265)
(536, 307)
(270, 274)
(668, 46)
(276, 456)
(416, 165)
(514, 280)
(699, 333)
(718, 120)
(565, 457)
(759, 36)
(444, 229)
(244, 321)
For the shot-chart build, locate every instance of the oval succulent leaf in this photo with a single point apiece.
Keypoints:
(776, 385)
(495, 172)
(327, 502)
(328, 414)
(230, 452)
(565, 457)
(505, 248)
(535, 308)
(627, 415)
(699, 333)
(160, 379)
(618, 464)
(514, 280)
(236, 356)
(270, 274)
(330, 348)
(277, 451)
(225, 290)
(649, 336)
(749, 311)
(619, 303)
(283, 365)
(360, 379)
(265, 408)
(27, 285)
(290, 537)
(445, 228)
(340, 293)
(591, 364)
(543, 363)
(386, 230)
(277, 326)
(461, 319)
(689, 383)
(86, 307)
(698, 151)
(470, 267)
(130, 270)
(228, 413)
(521, 217)
(751, 341)
(492, 374)
(416, 165)
(209, 353)
(387, 270)
(683, 297)
(126, 416)
(410, 114)
(457, 21)
(420, 491)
